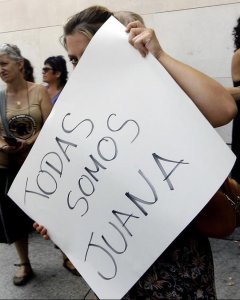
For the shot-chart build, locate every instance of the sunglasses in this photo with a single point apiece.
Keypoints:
(46, 69)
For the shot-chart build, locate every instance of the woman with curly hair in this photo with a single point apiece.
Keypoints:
(55, 75)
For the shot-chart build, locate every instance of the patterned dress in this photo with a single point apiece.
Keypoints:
(184, 271)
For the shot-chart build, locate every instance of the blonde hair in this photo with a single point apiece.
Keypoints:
(87, 21)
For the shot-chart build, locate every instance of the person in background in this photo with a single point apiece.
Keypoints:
(26, 108)
(185, 269)
(55, 75)
(235, 68)
(28, 70)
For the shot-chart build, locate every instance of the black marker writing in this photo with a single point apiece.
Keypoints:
(71, 130)
(137, 200)
(79, 199)
(157, 159)
(117, 214)
(91, 245)
(124, 124)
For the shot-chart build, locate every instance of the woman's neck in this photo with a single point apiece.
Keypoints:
(17, 85)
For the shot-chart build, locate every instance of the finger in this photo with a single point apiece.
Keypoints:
(134, 32)
(43, 231)
(35, 225)
(134, 24)
(139, 42)
(46, 237)
(39, 228)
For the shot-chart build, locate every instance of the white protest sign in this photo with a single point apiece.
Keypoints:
(123, 164)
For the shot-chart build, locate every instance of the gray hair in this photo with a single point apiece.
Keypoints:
(11, 50)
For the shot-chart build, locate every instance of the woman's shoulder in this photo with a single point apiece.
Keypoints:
(37, 89)
(37, 92)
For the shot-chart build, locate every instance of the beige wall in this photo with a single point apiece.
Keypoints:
(197, 32)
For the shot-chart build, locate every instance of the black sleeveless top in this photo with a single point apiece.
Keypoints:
(236, 140)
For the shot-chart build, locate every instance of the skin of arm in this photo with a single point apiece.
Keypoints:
(211, 98)
(46, 107)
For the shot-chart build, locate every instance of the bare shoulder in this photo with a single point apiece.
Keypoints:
(37, 89)
(36, 86)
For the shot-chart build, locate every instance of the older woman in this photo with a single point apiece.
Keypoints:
(185, 269)
(25, 107)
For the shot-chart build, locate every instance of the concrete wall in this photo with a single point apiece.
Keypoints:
(197, 32)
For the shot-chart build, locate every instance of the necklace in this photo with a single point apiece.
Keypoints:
(19, 103)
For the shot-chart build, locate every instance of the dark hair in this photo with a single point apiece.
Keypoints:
(28, 70)
(236, 35)
(87, 21)
(58, 64)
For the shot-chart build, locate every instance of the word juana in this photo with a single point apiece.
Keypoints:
(123, 218)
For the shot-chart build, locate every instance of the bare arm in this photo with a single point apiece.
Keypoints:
(46, 107)
(212, 99)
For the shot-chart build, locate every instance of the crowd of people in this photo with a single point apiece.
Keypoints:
(185, 269)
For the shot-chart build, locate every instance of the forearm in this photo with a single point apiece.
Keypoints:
(212, 99)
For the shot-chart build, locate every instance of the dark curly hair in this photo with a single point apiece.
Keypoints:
(58, 64)
(28, 70)
(236, 35)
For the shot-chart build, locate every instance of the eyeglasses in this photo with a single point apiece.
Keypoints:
(46, 69)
